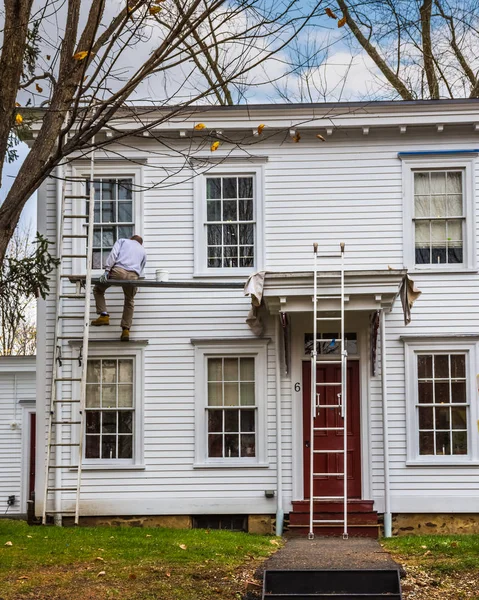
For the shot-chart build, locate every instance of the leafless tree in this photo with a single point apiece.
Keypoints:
(87, 62)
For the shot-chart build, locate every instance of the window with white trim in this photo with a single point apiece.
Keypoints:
(441, 401)
(114, 215)
(439, 212)
(110, 409)
(231, 395)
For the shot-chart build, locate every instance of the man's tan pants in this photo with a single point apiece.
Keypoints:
(129, 291)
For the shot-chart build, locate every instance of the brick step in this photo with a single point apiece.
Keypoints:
(353, 518)
(354, 505)
(369, 531)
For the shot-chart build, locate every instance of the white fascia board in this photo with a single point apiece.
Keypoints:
(15, 364)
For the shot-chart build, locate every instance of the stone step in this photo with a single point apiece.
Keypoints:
(368, 530)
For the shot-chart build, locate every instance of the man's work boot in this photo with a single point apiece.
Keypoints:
(125, 335)
(102, 320)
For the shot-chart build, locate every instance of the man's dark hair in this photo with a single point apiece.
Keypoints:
(137, 238)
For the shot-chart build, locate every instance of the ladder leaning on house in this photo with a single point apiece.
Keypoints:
(317, 404)
(66, 416)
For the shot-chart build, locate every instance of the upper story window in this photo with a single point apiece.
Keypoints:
(114, 215)
(438, 217)
(439, 211)
(228, 221)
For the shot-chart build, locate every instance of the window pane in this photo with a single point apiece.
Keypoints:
(421, 183)
(246, 234)
(426, 442)
(213, 210)
(213, 187)
(125, 421)
(229, 210)
(443, 443)
(438, 183)
(214, 235)
(124, 232)
(96, 261)
(125, 395)
(215, 420)
(245, 210)
(215, 369)
(247, 394)
(425, 393)
(424, 366)
(247, 369)
(230, 235)
(231, 394)
(109, 371)
(454, 206)
(230, 187)
(231, 445)
(442, 418)
(125, 446)
(247, 257)
(231, 420)
(248, 446)
(459, 418)
(454, 233)
(245, 187)
(108, 212)
(125, 212)
(426, 417)
(231, 369)
(93, 371)
(459, 442)
(215, 394)
(125, 371)
(108, 421)
(230, 256)
(215, 446)
(108, 396)
(125, 189)
(422, 206)
(92, 396)
(92, 446)
(108, 237)
(247, 421)
(108, 189)
(441, 366)
(441, 389)
(454, 183)
(92, 421)
(458, 391)
(438, 206)
(108, 446)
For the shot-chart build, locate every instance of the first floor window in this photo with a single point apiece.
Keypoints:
(231, 407)
(110, 409)
(442, 404)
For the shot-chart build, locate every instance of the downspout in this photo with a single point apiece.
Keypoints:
(384, 384)
(279, 448)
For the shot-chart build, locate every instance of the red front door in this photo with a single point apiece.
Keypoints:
(31, 458)
(332, 440)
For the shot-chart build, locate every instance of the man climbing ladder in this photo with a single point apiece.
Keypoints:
(127, 261)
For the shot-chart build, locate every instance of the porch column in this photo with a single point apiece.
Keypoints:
(279, 446)
(384, 384)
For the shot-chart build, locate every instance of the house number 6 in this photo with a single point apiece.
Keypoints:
(297, 387)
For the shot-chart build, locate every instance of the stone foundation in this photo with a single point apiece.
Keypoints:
(427, 524)
(260, 524)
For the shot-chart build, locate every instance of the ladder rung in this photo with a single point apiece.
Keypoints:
(328, 405)
(66, 401)
(328, 428)
(68, 337)
(328, 318)
(328, 451)
(60, 512)
(75, 256)
(327, 297)
(64, 444)
(71, 317)
(72, 196)
(72, 296)
(329, 340)
(62, 489)
(68, 358)
(67, 378)
(72, 277)
(329, 255)
(62, 467)
(76, 216)
(328, 383)
(328, 497)
(75, 236)
(329, 362)
(328, 474)
(66, 422)
(328, 520)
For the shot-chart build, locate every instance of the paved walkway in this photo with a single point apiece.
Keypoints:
(331, 553)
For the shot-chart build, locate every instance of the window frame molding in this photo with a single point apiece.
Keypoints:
(226, 169)
(214, 348)
(112, 169)
(464, 162)
(447, 345)
(107, 351)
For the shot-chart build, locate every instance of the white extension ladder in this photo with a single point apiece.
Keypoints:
(316, 402)
(66, 426)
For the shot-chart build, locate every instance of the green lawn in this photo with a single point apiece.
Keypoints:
(134, 563)
(438, 553)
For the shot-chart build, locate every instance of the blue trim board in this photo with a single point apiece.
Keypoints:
(438, 152)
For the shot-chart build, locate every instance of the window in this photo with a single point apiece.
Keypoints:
(231, 407)
(228, 221)
(442, 404)
(438, 217)
(230, 402)
(439, 211)
(110, 411)
(114, 215)
(440, 400)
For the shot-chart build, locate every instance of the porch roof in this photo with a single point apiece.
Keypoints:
(364, 290)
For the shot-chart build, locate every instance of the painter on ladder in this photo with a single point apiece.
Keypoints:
(127, 260)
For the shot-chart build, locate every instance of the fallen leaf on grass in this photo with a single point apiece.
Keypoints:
(29, 536)
(132, 576)
(101, 573)
(22, 577)
(274, 542)
(148, 535)
(182, 546)
(100, 558)
(168, 574)
(8, 544)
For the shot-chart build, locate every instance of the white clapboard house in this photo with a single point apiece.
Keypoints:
(205, 418)
(17, 434)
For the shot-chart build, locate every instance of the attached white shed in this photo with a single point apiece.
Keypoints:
(17, 433)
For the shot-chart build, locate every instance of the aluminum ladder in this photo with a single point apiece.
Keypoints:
(317, 405)
(66, 411)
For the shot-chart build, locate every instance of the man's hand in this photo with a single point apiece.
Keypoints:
(104, 277)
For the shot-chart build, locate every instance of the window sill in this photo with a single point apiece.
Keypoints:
(230, 274)
(112, 467)
(231, 465)
(442, 271)
(443, 463)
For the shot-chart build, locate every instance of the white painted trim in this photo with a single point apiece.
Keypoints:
(27, 410)
(116, 351)
(17, 364)
(464, 162)
(205, 349)
(258, 173)
(365, 412)
(440, 345)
